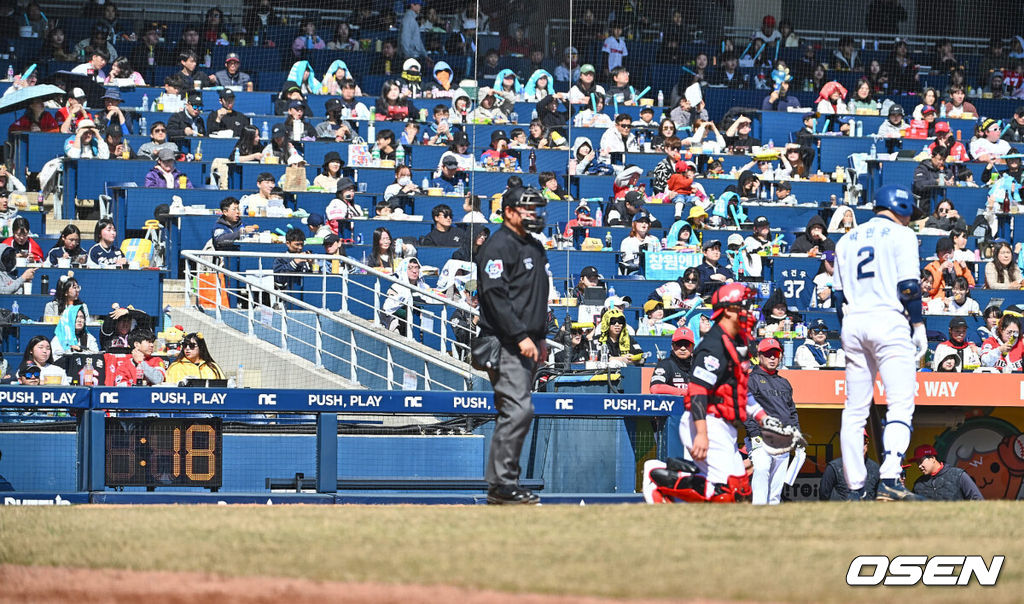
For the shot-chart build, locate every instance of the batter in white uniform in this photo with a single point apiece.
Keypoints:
(877, 288)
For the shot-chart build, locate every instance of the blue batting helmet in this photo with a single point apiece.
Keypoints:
(895, 199)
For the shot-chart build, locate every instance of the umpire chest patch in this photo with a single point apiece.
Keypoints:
(494, 268)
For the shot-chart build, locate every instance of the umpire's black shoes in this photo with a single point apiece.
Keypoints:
(511, 495)
(891, 489)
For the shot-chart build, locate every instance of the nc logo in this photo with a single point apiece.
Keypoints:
(108, 398)
(267, 399)
(563, 403)
(413, 401)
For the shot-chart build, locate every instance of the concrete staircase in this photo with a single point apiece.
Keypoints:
(266, 365)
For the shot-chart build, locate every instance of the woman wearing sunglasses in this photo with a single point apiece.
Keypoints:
(622, 349)
(194, 361)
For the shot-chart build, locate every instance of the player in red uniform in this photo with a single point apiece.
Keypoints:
(718, 396)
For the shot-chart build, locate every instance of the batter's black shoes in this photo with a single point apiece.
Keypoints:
(511, 495)
(890, 489)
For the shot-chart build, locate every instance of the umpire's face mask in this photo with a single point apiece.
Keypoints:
(534, 208)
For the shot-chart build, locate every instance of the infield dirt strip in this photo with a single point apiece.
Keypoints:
(84, 586)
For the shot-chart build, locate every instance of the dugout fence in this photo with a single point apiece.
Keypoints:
(158, 444)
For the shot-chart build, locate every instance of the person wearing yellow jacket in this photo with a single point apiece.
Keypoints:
(621, 348)
(194, 361)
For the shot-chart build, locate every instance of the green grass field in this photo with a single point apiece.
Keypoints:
(796, 552)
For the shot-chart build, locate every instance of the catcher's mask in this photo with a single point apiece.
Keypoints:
(739, 295)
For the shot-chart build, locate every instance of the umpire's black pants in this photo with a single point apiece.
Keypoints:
(512, 383)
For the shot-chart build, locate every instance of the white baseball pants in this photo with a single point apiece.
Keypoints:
(877, 343)
(723, 459)
(769, 475)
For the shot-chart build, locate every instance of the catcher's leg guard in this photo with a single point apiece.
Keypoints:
(736, 490)
(677, 486)
(740, 486)
(723, 494)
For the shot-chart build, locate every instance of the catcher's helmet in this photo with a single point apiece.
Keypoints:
(897, 200)
(730, 294)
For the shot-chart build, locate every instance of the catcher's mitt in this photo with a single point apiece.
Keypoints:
(778, 439)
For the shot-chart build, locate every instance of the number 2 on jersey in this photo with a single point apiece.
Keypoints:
(867, 256)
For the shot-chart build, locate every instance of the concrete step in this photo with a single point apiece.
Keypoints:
(266, 366)
(174, 293)
(54, 226)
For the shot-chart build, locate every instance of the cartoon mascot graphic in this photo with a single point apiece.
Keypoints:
(990, 450)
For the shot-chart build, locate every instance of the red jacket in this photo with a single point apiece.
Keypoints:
(35, 253)
(47, 123)
(1012, 358)
(121, 369)
(958, 152)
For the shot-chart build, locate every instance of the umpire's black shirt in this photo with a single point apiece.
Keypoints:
(513, 274)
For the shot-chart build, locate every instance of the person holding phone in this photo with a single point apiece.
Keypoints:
(1003, 351)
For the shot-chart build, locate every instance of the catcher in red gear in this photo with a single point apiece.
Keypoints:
(717, 400)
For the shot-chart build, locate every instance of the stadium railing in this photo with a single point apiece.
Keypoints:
(339, 325)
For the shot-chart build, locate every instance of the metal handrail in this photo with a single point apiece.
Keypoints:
(205, 259)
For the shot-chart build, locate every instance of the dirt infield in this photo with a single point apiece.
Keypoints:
(84, 586)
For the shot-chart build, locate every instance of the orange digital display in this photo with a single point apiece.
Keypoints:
(157, 452)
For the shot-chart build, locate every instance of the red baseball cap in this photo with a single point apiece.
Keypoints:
(683, 333)
(768, 20)
(768, 344)
(941, 127)
(923, 451)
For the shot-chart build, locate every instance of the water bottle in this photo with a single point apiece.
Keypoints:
(942, 110)
(87, 374)
(44, 284)
(604, 356)
(265, 132)
(238, 376)
(787, 352)
(513, 117)
(10, 72)
(15, 308)
(143, 126)
(661, 98)
(425, 184)
(611, 291)
(400, 155)
(140, 376)
(874, 150)
(371, 130)
(860, 128)
(359, 239)
(608, 246)
(771, 143)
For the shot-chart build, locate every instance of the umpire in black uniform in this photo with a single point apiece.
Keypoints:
(513, 289)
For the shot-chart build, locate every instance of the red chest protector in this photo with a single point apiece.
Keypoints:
(726, 401)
